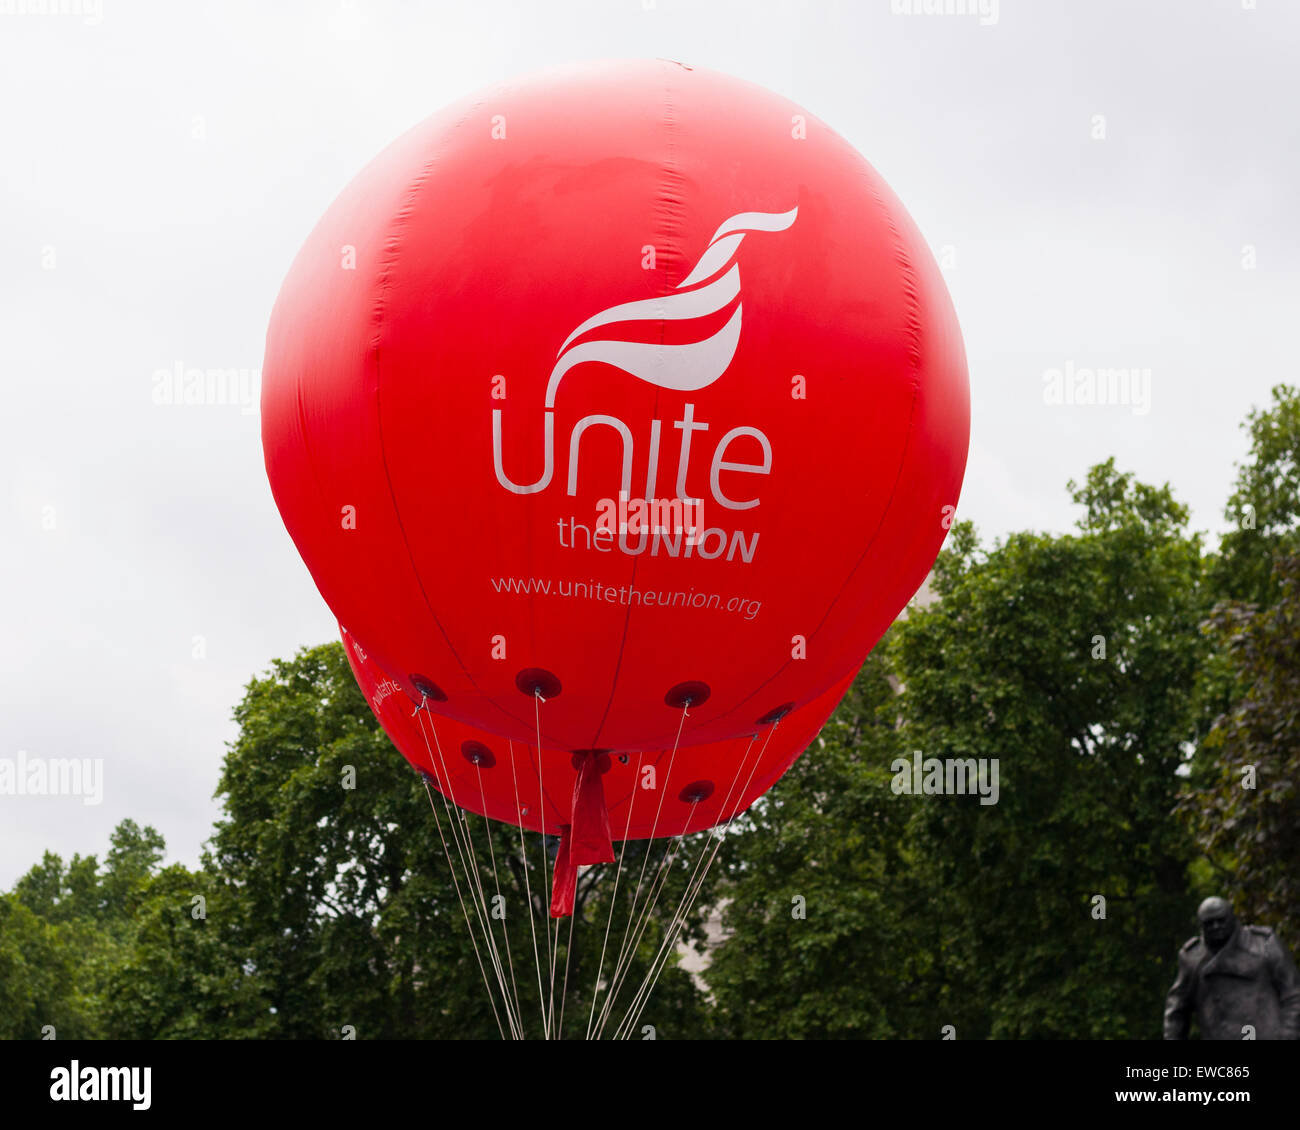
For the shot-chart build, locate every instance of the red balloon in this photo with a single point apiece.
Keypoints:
(634, 279)
(691, 789)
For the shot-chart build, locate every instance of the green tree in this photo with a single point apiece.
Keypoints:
(823, 902)
(1243, 797)
(1264, 510)
(179, 978)
(67, 928)
(38, 977)
(1072, 661)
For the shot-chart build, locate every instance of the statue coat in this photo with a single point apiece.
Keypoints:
(1251, 980)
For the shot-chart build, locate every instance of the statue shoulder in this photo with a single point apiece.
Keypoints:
(1261, 931)
(1189, 945)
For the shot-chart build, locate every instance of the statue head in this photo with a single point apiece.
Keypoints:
(1217, 922)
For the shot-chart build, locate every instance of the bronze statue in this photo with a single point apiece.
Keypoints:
(1236, 980)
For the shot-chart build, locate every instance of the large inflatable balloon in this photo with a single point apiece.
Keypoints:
(635, 279)
(617, 409)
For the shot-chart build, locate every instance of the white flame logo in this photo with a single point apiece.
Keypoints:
(703, 292)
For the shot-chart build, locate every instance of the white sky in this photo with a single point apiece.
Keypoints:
(161, 164)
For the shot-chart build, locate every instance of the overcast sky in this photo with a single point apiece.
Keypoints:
(1090, 174)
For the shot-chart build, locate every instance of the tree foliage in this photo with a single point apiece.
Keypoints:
(824, 915)
(1072, 662)
(1243, 802)
(1264, 510)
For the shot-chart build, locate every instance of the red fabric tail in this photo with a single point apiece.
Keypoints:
(565, 884)
(587, 840)
(591, 838)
